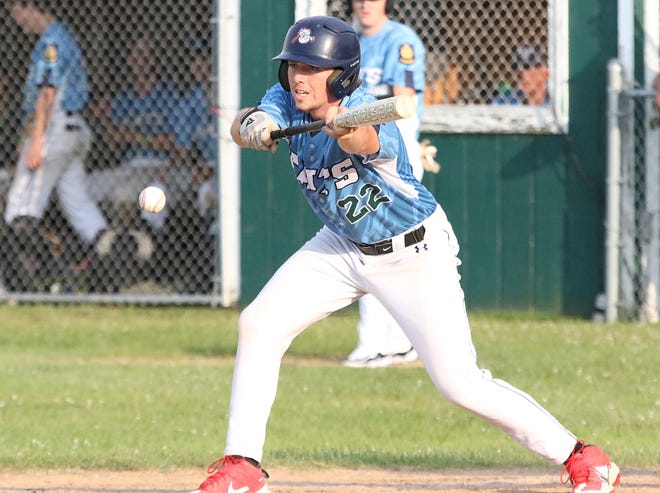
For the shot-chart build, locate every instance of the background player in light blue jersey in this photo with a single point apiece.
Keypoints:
(383, 233)
(392, 64)
(56, 138)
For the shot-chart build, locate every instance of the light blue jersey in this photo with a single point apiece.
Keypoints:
(196, 125)
(394, 56)
(56, 61)
(152, 114)
(364, 199)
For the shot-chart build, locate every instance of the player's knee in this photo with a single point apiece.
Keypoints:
(466, 388)
(248, 321)
(255, 323)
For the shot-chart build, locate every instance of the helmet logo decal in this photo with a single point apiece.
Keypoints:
(304, 36)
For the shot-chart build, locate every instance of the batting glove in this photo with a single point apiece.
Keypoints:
(256, 126)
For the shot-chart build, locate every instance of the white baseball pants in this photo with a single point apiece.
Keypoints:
(419, 285)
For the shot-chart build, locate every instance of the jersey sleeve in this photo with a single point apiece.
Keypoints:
(277, 102)
(404, 61)
(51, 63)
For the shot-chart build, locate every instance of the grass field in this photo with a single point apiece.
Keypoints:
(127, 388)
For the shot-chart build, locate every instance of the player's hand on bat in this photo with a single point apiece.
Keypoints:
(330, 129)
(354, 140)
(256, 126)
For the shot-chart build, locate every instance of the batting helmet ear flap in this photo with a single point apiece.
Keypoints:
(342, 82)
(332, 80)
(283, 75)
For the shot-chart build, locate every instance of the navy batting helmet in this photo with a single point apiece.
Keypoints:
(326, 42)
(389, 5)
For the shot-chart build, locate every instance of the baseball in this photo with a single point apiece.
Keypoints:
(152, 200)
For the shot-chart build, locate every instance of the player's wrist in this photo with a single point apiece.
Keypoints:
(247, 112)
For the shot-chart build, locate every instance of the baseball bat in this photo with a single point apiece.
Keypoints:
(381, 111)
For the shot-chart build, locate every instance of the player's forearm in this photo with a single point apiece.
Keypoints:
(42, 111)
(361, 141)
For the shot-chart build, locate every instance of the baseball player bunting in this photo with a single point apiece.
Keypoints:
(383, 233)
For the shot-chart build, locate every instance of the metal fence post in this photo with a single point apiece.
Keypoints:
(229, 253)
(613, 183)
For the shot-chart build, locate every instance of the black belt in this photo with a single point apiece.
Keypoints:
(72, 127)
(385, 246)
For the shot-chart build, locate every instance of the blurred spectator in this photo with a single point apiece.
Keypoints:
(532, 66)
(444, 89)
(193, 222)
(139, 121)
(530, 87)
(7, 155)
(656, 88)
(56, 141)
(8, 131)
(196, 128)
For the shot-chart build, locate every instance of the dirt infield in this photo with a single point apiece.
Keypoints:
(284, 480)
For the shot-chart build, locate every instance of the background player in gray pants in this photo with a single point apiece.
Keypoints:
(55, 138)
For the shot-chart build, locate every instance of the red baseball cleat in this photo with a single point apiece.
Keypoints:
(234, 474)
(590, 470)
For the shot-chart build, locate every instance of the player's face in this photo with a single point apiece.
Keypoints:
(370, 13)
(22, 14)
(141, 58)
(309, 86)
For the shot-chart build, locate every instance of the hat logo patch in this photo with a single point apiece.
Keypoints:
(304, 36)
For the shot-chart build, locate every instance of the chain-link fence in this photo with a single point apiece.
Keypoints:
(148, 69)
(139, 113)
(633, 224)
(640, 207)
(478, 52)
